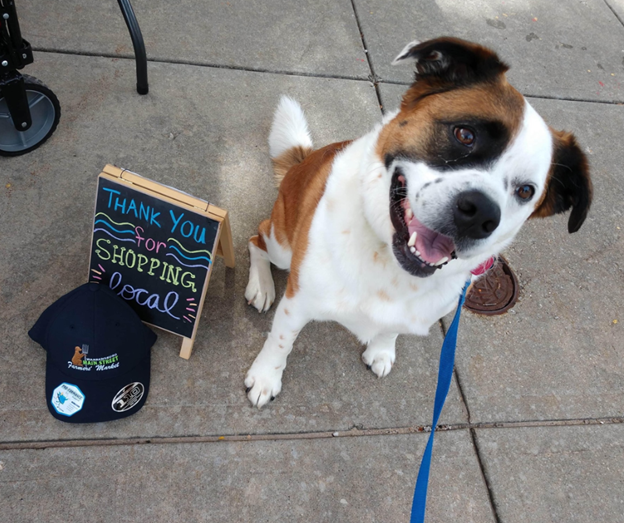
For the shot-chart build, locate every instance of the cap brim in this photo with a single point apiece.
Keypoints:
(90, 401)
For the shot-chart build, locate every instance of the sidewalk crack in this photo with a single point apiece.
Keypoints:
(614, 12)
(475, 444)
(373, 78)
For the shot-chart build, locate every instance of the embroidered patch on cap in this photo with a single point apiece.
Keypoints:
(128, 397)
(67, 399)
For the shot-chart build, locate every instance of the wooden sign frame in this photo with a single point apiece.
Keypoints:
(223, 242)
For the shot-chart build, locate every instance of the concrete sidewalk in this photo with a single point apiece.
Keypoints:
(536, 407)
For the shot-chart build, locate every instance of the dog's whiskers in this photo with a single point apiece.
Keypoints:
(398, 205)
(561, 165)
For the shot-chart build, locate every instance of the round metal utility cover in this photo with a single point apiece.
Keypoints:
(496, 292)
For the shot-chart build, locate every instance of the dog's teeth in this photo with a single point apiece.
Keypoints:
(412, 239)
(409, 214)
(442, 261)
(417, 253)
(413, 249)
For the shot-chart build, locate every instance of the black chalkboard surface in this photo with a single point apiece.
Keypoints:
(155, 252)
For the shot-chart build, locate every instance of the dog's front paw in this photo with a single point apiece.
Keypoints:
(379, 361)
(263, 384)
(260, 291)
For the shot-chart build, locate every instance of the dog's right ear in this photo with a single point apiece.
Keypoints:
(452, 60)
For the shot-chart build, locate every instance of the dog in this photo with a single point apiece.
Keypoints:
(381, 233)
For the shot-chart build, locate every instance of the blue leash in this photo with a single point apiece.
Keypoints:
(445, 373)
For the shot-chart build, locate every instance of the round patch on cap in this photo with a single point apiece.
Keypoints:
(67, 399)
(128, 397)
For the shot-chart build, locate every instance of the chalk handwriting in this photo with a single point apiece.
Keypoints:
(129, 293)
(188, 228)
(125, 257)
(144, 212)
(154, 245)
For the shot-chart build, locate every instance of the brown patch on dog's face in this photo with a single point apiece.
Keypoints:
(568, 183)
(426, 126)
(460, 92)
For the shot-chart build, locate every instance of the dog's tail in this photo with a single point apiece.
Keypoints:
(289, 141)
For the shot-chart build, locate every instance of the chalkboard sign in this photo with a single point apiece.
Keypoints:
(155, 246)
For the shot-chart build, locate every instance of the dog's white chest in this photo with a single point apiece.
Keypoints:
(380, 301)
(350, 276)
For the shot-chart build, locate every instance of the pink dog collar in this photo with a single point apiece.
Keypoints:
(484, 267)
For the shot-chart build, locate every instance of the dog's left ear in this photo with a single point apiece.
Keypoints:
(568, 183)
(452, 60)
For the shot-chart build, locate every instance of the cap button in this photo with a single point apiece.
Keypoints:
(94, 287)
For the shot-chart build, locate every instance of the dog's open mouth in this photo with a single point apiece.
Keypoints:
(419, 250)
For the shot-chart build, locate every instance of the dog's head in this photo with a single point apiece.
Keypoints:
(468, 160)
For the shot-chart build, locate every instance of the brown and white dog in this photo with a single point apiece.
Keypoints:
(381, 233)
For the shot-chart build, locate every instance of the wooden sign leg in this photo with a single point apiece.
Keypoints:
(226, 243)
(187, 348)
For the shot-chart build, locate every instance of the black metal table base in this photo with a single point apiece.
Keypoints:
(139, 45)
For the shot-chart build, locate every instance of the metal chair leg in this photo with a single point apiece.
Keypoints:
(139, 46)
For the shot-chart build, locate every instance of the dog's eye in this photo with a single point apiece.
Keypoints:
(525, 192)
(464, 136)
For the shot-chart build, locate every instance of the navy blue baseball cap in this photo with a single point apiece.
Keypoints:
(98, 361)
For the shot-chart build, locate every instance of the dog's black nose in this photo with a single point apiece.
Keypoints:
(476, 215)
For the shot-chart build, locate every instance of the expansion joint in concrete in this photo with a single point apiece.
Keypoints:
(354, 432)
(614, 12)
(205, 64)
(475, 444)
(371, 78)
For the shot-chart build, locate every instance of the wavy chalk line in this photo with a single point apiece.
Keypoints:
(186, 250)
(120, 239)
(186, 265)
(116, 223)
(188, 257)
(109, 225)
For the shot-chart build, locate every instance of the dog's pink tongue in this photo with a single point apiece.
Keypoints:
(431, 245)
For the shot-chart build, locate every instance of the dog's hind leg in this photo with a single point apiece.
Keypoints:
(289, 144)
(264, 249)
(380, 354)
(264, 378)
